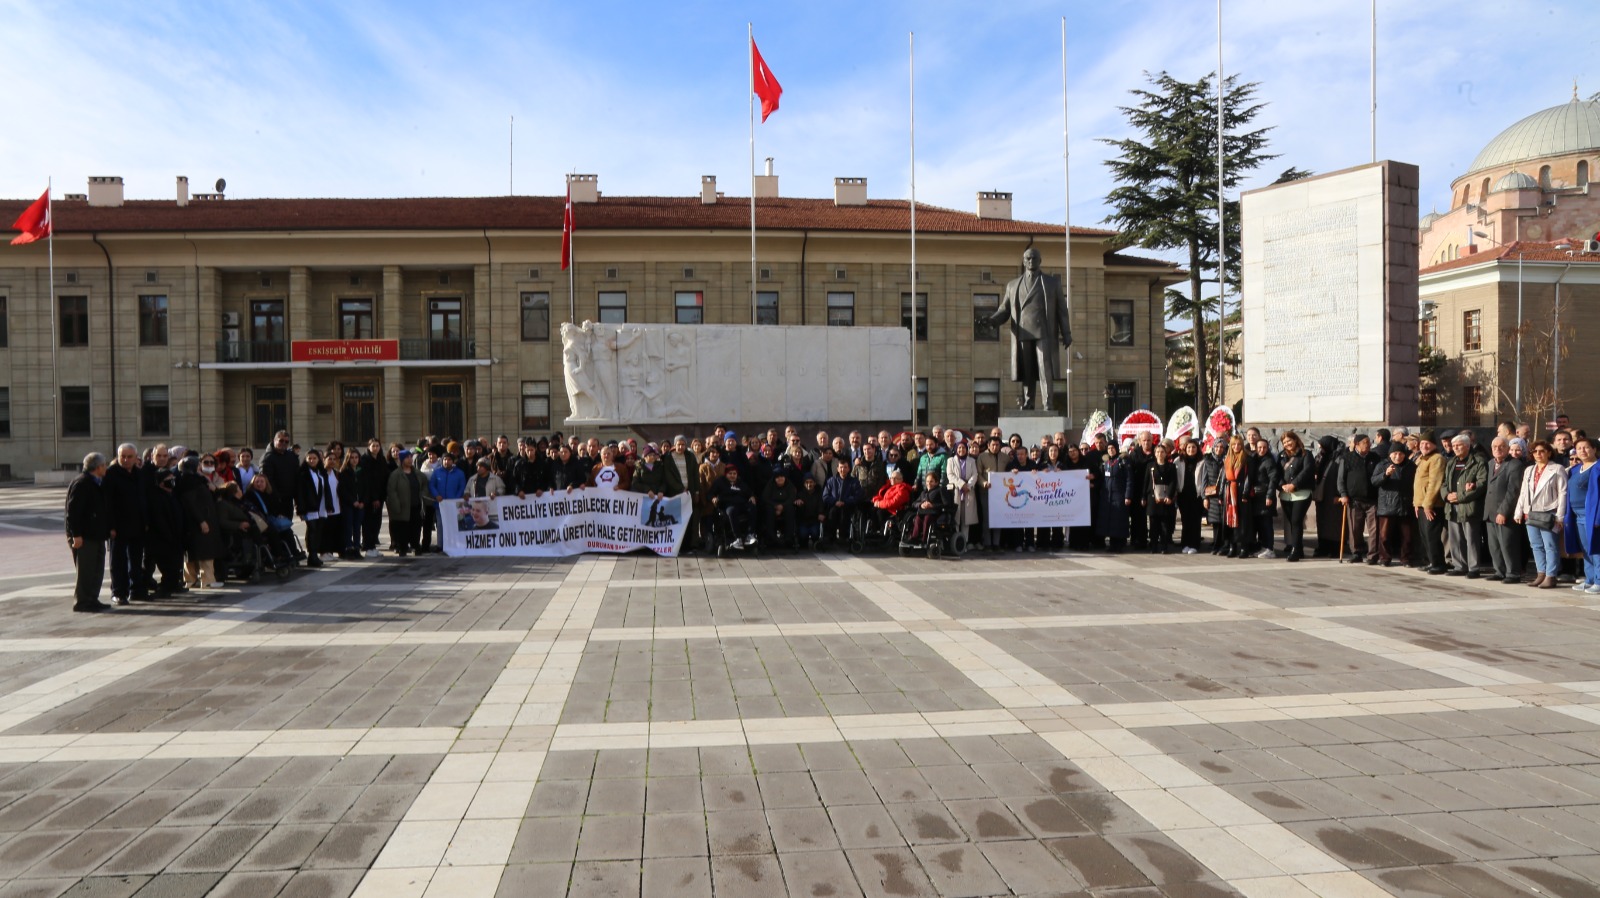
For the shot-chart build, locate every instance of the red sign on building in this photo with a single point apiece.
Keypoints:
(344, 350)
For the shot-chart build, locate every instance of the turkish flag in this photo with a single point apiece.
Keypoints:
(34, 222)
(566, 231)
(763, 83)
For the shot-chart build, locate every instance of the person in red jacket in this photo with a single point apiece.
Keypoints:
(892, 498)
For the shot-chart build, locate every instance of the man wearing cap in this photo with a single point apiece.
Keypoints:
(1465, 482)
(1353, 480)
(1429, 502)
(655, 478)
(403, 495)
(485, 484)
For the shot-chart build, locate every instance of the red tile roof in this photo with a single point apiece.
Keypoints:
(1527, 250)
(524, 212)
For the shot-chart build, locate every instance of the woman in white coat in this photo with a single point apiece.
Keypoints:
(961, 477)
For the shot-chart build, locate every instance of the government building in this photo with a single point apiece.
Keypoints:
(1510, 280)
(214, 322)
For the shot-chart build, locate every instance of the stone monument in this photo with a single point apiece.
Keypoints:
(642, 374)
(1329, 299)
(1036, 309)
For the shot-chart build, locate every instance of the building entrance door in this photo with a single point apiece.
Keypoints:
(447, 412)
(358, 413)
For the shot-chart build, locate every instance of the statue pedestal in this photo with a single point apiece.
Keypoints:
(1032, 424)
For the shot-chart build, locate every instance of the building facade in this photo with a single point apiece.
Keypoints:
(211, 321)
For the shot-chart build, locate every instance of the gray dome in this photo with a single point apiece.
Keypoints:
(1428, 220)
(1572, 127)
(1516, 180)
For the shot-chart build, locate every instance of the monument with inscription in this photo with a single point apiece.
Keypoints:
(642, 374)
(1329, 300)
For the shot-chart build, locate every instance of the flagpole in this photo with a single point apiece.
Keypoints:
(913, 72)
(1066, 221)
(750, 51)
(1222, 234)
(55, 342)
(1374, 80)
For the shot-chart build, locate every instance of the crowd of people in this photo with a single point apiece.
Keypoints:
(178, 518)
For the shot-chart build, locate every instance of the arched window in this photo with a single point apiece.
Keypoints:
(1544, 177)
(1583, 173)
(1466, 194)
(1483, 195)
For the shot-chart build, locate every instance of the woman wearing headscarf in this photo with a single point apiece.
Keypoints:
(202, 531)
(1330, 514)
(961, 473)
(1161, 499)
(1114, 499)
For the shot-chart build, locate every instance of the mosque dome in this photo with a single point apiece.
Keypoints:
(1572, 127)
(1516, 180)
(1428, 220)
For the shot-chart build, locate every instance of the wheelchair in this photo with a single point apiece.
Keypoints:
(876, 536)
(941, 536)
(722, 541)
(250, 557)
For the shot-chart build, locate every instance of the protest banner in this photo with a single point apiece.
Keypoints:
(1039, 499)
(561, 523)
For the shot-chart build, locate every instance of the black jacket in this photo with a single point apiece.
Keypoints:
(372, 479)
(1299, 471)
(199, 506)
(530, 475)
(124, 492)
(574, 472)
(1266, 476)
(726, 494)
(1353, 475)
(86, 509)
(280, 469)
(310, 492)
(1394, 490)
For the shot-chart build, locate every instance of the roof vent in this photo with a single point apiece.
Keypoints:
(708, 189)
(849, 191)
(75, 197)
(995, 204)
(584, 188)
(105, 190)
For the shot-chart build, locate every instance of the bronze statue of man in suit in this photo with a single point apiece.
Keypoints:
(1037, 311)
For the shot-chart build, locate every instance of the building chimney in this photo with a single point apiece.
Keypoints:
(585, 188)
(849, 191)
(183, 190)
(994, 204)
(766, 186)
(708, 189)
(105, 190)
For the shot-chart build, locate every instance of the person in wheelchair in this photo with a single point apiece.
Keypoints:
(237, 530)
(932, 504)
(891, 500)
(840, 498)
(736, 505)
(777, 509)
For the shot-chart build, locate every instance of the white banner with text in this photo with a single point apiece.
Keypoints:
(560, 523)
(1039, 499)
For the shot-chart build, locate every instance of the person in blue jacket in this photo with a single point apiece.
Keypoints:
(447, 482)
(840, 496)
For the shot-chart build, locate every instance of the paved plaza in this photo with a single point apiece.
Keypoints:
(816, 726)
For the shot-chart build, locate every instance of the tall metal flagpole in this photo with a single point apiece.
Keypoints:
(913, 73)
(511, 159)
(1222, 234)
(55, 342)
(1374, 80)
(1066, 221)
(750, 87)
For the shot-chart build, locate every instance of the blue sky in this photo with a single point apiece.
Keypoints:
(295, 98)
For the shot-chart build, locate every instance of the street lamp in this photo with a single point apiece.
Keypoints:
(1555, 335)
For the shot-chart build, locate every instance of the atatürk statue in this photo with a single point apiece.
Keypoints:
(1037, 311)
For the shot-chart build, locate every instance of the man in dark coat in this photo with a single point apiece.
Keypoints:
(280, 464)
(1505, 537)
(87, 529)
(372, 485)
(124, 490)
(1037, 310)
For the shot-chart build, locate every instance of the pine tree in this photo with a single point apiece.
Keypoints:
(1167, 177)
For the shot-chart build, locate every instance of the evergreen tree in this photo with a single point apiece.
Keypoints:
(1167, 177)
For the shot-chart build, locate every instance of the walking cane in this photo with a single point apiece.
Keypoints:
(1344, 520)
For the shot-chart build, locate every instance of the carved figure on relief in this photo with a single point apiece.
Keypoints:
(680, 359)
(579, 371)
(632, 364)
(603, 350)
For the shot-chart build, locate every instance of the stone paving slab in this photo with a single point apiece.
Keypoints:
(1035, 724)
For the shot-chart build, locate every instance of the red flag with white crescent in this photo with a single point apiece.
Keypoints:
(763, 83)
(566, 231)
(34, 222)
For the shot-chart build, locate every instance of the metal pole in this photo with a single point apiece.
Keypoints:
(55, 321)
(1555, 338)
(1374, 80)
(913, 77)
(751, 89)
(1222, 235)
(1066, 215)
(1517, 412)
(511, 159)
